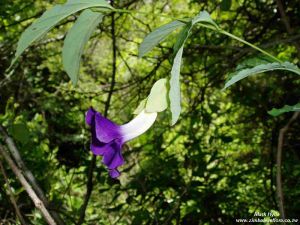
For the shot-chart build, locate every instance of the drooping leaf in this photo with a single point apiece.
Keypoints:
(140, 107)
(50, 18)
(241, 74)
(157, 99)
(174, 94)
(284, 109)
(158, 35)
(76, 39)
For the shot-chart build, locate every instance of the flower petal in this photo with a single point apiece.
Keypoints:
(112, 157)
(114, 173)
(106, 130)
(90, 116)
(139, 125)
(99, 148)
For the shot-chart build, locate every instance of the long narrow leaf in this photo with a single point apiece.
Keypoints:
(239, 75)
(50, 18)
(76, 39)
(174, 94)
(284, 109)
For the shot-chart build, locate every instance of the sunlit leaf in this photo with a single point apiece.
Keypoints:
(284, 109)
(76, 39)
(158, 35)
(50, 18)
(174, 94)
(241, 74)
(157, 99)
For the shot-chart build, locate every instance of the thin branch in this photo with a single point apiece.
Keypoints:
(89, 186)
(279, 163)
(27, 173)
(11, 196)
(36, 200)
(17, 157)
(89, 189)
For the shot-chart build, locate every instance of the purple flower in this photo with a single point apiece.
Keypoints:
(108, 137)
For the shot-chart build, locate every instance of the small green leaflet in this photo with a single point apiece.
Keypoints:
(157, 99)
(284, 109)
(50, 18)
(76, 39)
(241, 74)
(157, 36)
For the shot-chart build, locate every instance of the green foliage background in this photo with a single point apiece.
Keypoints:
(216, 164)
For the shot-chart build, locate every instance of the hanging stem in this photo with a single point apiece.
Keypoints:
(240, 40)
(249, 44)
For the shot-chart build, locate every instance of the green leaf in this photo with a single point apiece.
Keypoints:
(204, 16)
(157, 99)
(76, 39)
(174, 94)
(50, 18)
(157, 36)
(241, 74)
(225, 5)
(20, 132)
(141, 107)
(284, 109)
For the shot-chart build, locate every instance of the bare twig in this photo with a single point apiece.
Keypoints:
(11, 196)
(279, 163)
(27, 173)
(36, 200)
